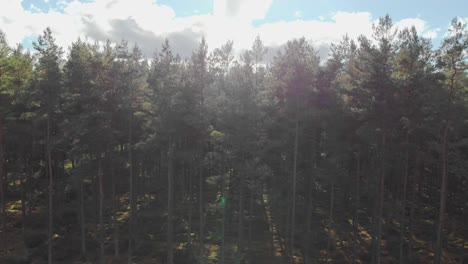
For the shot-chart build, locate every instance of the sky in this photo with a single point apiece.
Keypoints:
(184, 22)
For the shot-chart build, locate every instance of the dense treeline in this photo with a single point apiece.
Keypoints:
(108, 157)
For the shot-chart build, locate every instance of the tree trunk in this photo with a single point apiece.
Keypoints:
(249, 242)
(443, 187)
(293, 213)
(403, 206)
(309, 209)
(462, 257)
(2, 190)
(190, 203)
(310, 188)
(356, 210)
(374, 188)
(381, 199)
(131, 192)
(51, 189)
(330, 219)
(82, 217)
(307, 253)
(114, 207)
(28, 180)
(288, 210)
(419, 169)
(463, 231)
(101, 209)
(201, 224)
(240, 227)
(462, 253)
(443, 196)
(170, 205)
(223, 224)
(23, 203)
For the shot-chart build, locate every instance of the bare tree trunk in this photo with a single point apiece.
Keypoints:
(356, 210)
(381, 199)
(443, 196)
(223, 224)
(462, 258)
(462, 254)
(287, 234)
(293, 214)
(249, 242)
(2, 190)
(82, 217)
(374, 187)
(132, 191)
(464, 229)
(23, 202)
(170, 205)
(29, 177)
(114, 207)
(307, 257)
(309, 208)
(330, 218)
(190, 202)
(310, 188)
(101, 208)
(403, 206)
(443, 187)
(51, 189)
(240, 227)
(419, 168)
(201, 224)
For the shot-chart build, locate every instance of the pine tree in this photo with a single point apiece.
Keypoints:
(48, 80)
(452, 56)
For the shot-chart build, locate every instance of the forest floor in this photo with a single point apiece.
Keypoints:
(268, 245)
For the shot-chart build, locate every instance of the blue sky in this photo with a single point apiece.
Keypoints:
(184, 22)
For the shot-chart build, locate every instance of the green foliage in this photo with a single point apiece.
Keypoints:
(227, 139)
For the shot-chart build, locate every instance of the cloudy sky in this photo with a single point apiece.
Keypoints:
(184, 22)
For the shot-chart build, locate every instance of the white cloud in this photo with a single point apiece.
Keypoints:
(148, 23)
(245, 10)
(420, 25)
(431, 34)
(353, 24)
